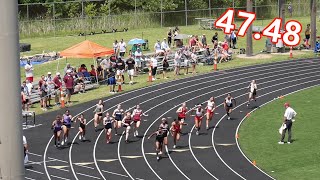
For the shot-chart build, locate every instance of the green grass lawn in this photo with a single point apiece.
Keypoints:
(259, 137)
(41, 44)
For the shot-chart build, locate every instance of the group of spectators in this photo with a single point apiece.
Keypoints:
(112, 69)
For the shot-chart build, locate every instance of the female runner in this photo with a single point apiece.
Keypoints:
(182, 113)
(165, 128)
(198, 117)
(211, 106)
(127, 121)
(67, 119)
(136, 114)
(176, 130)
(57, 128)
(117, 115)
(252, 91)
(228, 104)
(107, 122)
(82, 127)
(160, 135)
(98, 114)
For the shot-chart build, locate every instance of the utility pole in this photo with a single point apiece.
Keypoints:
(209, 3)
(282, 13)
(186, 11)
(313, 22)
(11, 149)
(249, 31)
(161, 6)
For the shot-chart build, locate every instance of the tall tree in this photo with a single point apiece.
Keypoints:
(313, 23)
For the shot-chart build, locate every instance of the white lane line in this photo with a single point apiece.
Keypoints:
(213, 143)
(29, 178)
(168, 154)
(35, 154)
(38, 172)
(58, 177)
(70, 159)
(237, 142)
(143, 139)
(149, 110)
(115, 173)
(38, 163)
(119, 157)
(88, 176)
(44, 158)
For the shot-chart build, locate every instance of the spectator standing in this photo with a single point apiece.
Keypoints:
(177, 62)
(130, 67)
(165, 65)
(44, 93)
(214, 38)
(233, 37)
(68, 66)
(137, 59)
(115, 46)
(49, 81)
(288, 118)
(154, 65)
(40, 83)
(69, 83)
(29, 71)
(120, 66)
(25, 96)
(79, 85)
(290, 9)
(30, 86)
(204, 40)
(122, 48)
(25, 149)
(169, 37)
(227, 38)
(307, 34)
(111, 80)
(57, 85)
(105, 64)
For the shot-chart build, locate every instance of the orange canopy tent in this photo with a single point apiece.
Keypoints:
(86, 49)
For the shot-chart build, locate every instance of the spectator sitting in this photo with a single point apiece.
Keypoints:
(157, 48)
(164, 46)
(82, 68)
(225, 46)
(134, 48)
(192, 41)
(93, 71)
(79, 85)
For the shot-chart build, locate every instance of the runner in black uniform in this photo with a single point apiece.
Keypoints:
(165, 128)
(82, 127)
(98, 114)
(107, 122)
(160, 135)
(117, 115)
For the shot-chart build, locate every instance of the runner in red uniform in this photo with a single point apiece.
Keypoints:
(176, 130)
(126, 122)
(182, 113)
(136, 114)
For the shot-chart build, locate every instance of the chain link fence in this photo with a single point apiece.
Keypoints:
(87, 16)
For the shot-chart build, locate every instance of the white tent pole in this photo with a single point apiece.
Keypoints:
(96, 66)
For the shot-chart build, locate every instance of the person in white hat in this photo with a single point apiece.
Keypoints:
(50, 83)
(69, 82)
(288, 118)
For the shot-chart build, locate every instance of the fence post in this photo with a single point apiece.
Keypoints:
(28, 12)
(161, 15)
(209, 3)
(186, 10)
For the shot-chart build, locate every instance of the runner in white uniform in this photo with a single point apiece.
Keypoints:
(252, 91)
(211, 106)
(228, 104)
(198, 117)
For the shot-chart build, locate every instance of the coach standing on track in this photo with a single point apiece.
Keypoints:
(289, 115)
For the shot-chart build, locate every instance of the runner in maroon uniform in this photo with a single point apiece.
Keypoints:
(126, 122)
(182, 113)
(136, 114)
(176, 130)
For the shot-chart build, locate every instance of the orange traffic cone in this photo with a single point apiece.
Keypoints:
(62, 104)
(291, 55)
(215, 66)
(150, 74)
(254, 162)
(119, 87)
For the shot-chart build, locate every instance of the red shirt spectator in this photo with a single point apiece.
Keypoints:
(93, 71)
(41, 81)
(225, 46)
(68, 80)
(57, 81)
